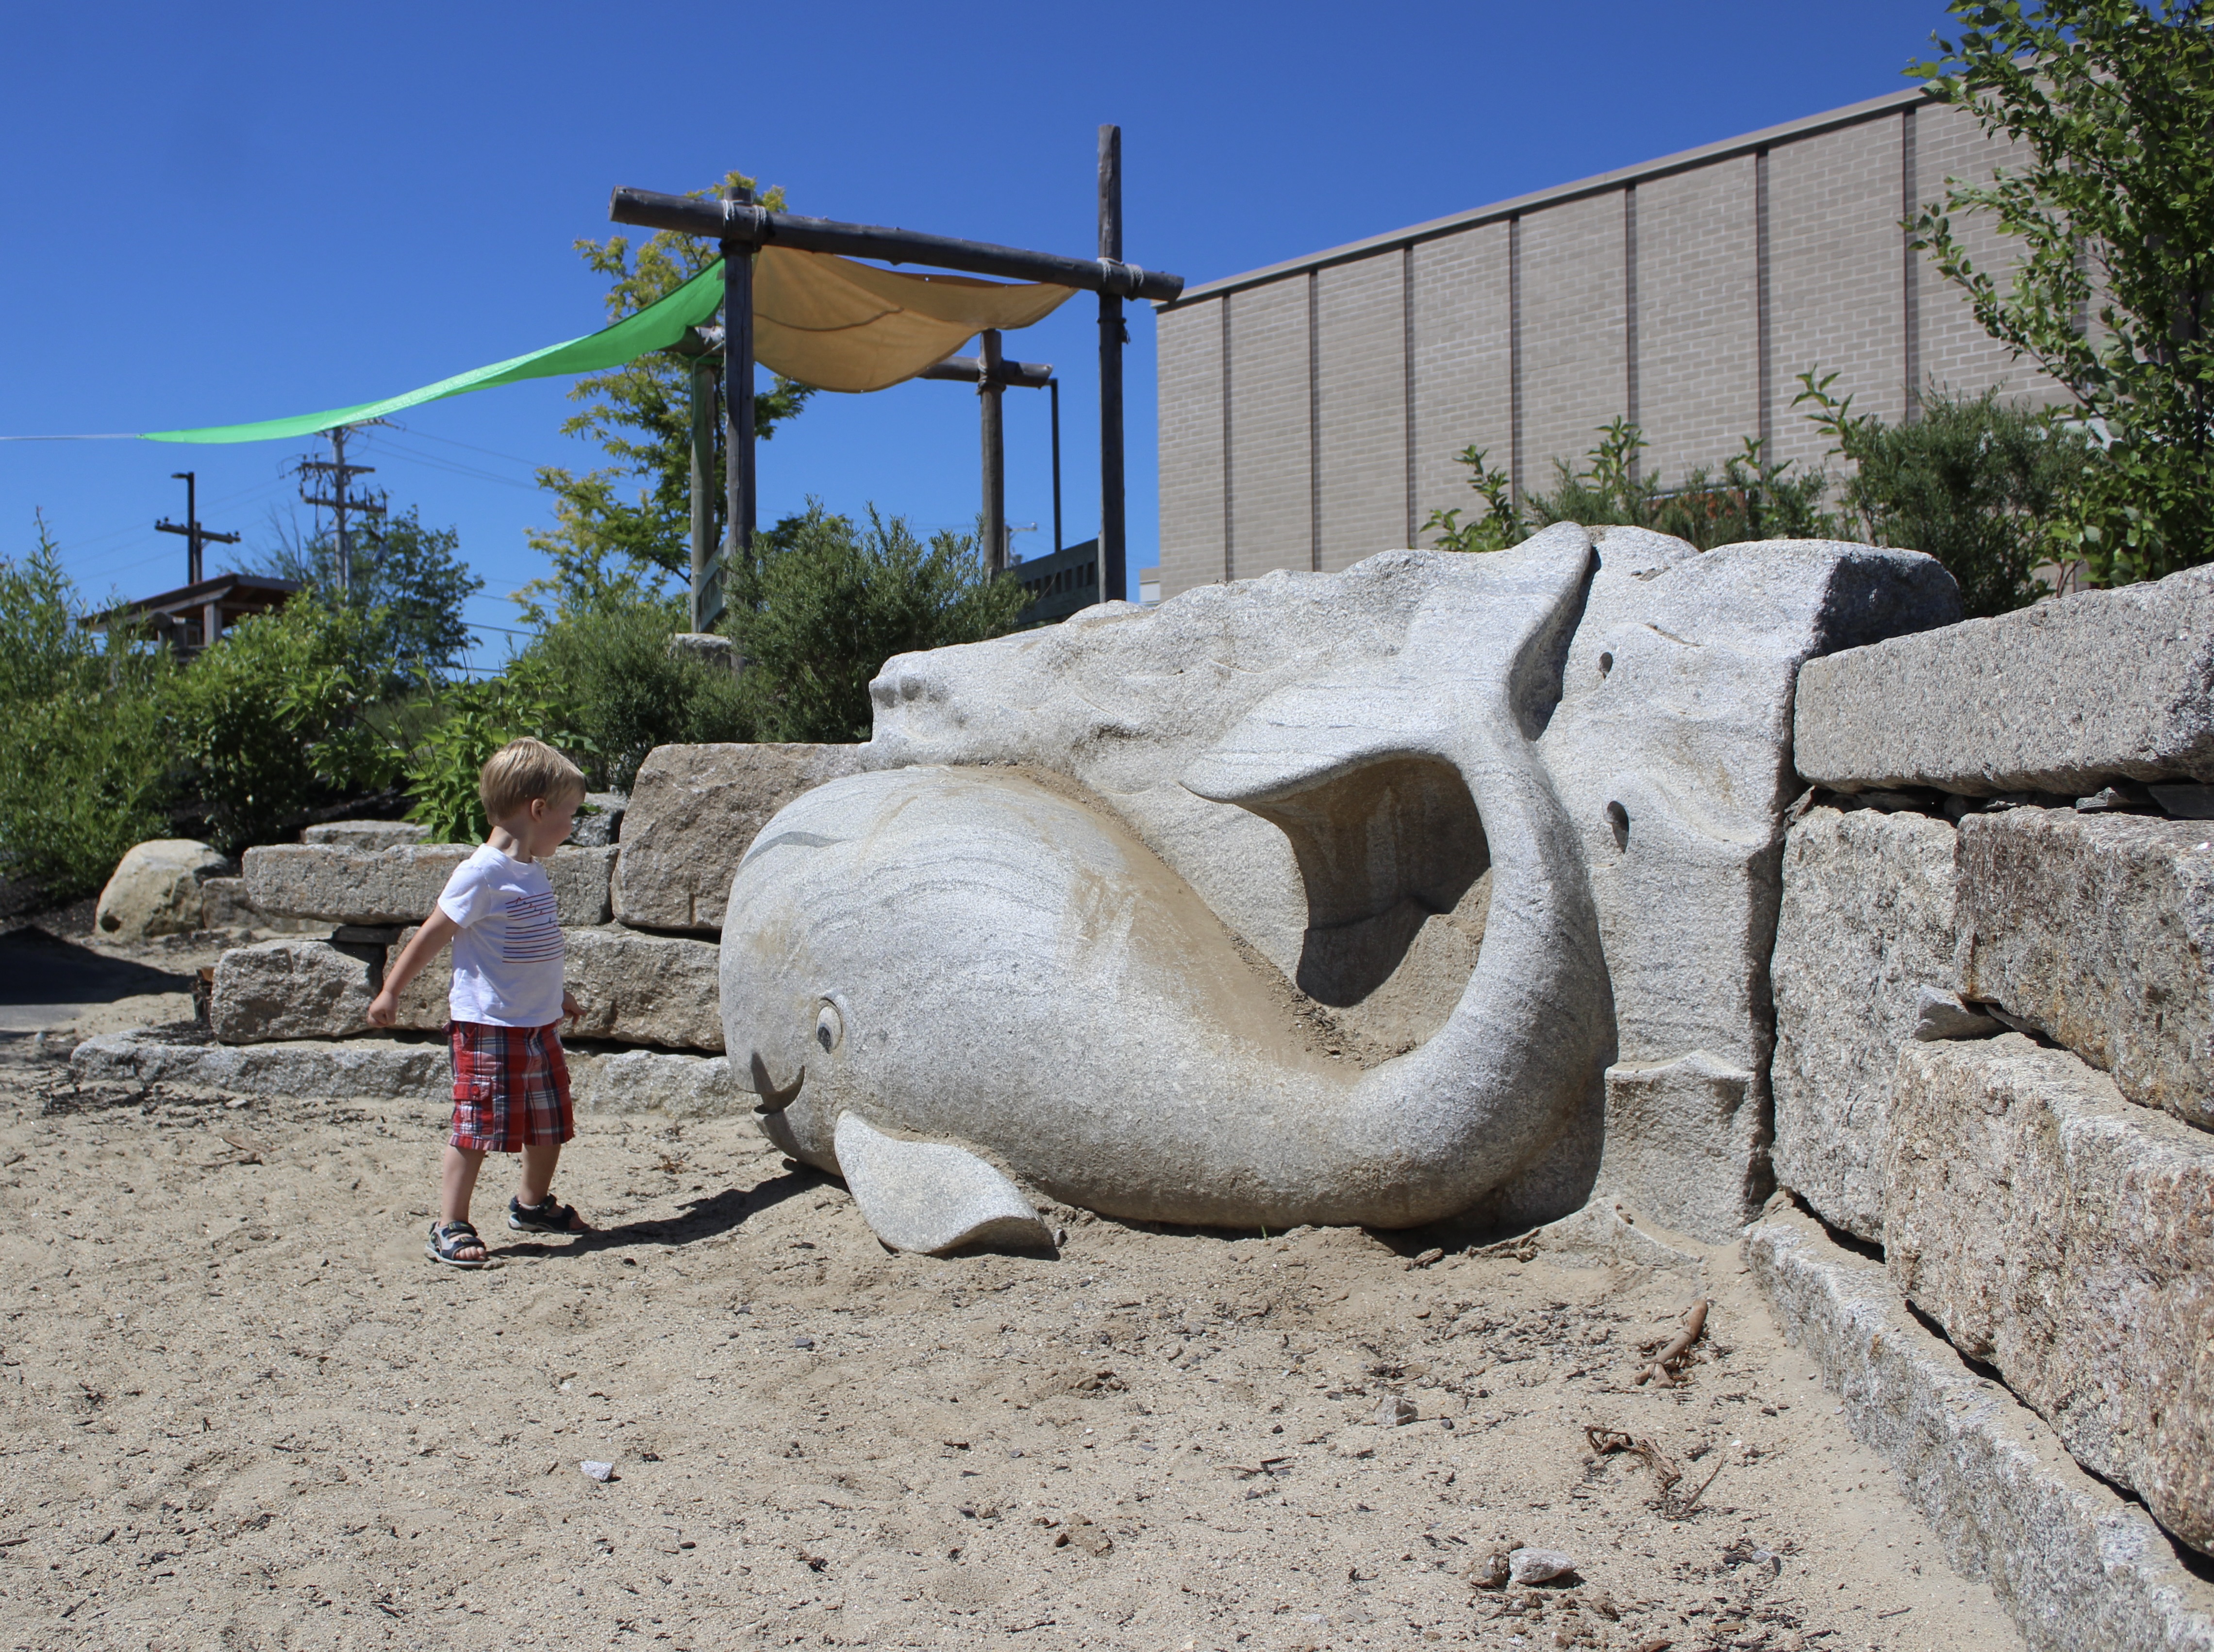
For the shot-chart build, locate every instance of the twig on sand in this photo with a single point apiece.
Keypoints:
(1669, 1360)
(1694, 1500)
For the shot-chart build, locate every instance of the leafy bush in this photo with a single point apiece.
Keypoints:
(1750, 498)
(279, 716)
(1974, 482)
(84, 771)
(2108, 107)
(622, 692)
(473, 721)
(827, 602)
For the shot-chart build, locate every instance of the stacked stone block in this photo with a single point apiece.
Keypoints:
(1994, 1022)
(640, 914)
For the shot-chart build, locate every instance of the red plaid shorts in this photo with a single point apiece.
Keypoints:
(511, 1086)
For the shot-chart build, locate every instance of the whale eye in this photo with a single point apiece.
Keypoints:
(829, 1027)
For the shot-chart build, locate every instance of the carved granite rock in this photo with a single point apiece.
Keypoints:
(1685, 1144)
(2076, 1566)
(1452, 872)
(2067, 1238)
(634, 988)
(282, 989)
(401, 884)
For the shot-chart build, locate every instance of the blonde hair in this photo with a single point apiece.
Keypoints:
(525, 769)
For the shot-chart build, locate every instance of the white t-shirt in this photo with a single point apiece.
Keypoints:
(507, 958)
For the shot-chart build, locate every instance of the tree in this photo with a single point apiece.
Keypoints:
(826, 603)
(2112, 102)
(409, 583)
(641, 415)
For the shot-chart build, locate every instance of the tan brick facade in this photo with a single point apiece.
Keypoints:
(1687, 294)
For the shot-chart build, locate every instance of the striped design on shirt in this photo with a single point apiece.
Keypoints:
(532, 936)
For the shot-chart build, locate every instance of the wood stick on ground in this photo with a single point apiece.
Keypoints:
(1693, 1503)
(1664, 1364)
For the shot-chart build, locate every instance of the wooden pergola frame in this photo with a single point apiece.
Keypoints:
(743, 228)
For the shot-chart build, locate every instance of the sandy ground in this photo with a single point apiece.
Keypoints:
(240, 1410)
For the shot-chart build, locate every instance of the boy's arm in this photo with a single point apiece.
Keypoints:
(437, 930)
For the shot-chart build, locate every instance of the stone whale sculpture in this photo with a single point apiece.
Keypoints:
(933, 960)
(1445, 884)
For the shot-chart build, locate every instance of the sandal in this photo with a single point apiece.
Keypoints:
(450, 1239)
(551, 1217)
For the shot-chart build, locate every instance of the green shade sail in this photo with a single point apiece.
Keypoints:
(657, 326)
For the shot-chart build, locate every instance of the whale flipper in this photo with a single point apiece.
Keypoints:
(931, 1196)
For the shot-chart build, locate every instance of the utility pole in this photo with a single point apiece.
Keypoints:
(342, 499)
(195, 536)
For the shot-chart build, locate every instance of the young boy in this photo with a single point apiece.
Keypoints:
(510, 1083)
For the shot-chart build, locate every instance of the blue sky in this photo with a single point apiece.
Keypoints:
(223, 214)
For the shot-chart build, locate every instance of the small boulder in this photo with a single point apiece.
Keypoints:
(156, 890)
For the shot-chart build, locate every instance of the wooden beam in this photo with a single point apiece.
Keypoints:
(733, 221)
(1016, 375)
(993, 429)
(738, 403)
(1112, 336)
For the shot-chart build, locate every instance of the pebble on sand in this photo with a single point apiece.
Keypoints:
(1538, 1565)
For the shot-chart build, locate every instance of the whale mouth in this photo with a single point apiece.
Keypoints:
(769, 1095)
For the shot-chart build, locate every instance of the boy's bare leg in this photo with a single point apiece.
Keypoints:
(457, 1183)
(540, 1160)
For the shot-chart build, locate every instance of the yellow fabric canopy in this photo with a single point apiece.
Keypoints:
(837, 325)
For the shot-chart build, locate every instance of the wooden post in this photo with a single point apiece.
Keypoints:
(991, 389)
(706, 585)
(737, 399)
(1112, 566)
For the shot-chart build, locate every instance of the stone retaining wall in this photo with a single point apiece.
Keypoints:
(2010, 832)
(677, 840)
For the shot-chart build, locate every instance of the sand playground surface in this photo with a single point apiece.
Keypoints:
(239, 1409)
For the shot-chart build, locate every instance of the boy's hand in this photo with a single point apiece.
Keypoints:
(570, 1007)
(385, 1008)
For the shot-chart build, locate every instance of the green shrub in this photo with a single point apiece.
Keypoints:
(828, 602)
(84, 770)
(279, 716)
(83, 775)
(1749, 497)
(610, 669)
(471, 722)
(1973, 481)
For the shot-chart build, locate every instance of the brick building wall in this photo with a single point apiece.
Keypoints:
(1686, 294)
